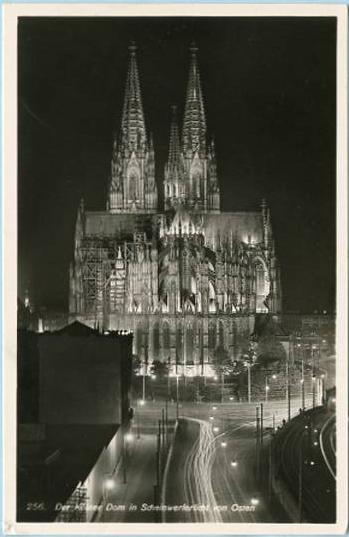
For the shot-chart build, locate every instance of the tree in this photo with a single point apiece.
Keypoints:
(136, 364)
(159, 369)
(269, 350)
(222, 363)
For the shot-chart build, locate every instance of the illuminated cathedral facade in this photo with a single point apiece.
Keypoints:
(185, 277)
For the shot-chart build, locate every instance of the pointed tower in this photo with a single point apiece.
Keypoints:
(201, 190)
(75, 268)
(213, 191)
(194, 122)
(174, 185)
(132, 185)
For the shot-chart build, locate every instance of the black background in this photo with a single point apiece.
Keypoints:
(270, 94)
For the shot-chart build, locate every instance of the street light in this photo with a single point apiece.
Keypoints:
(177, 396)
(249, 382)
(143, 381)
(233, 464)
(129, 437)
(314, 389)
(140, 403)
(302, 387)
(254, 501)
(108, 484)
(267, 388)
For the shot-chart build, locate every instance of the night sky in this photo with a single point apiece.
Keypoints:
(270, 88)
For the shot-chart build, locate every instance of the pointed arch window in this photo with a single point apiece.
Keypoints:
(179, 345)
(156, 339)
(196, 184)
(166, 337)
(132, 186)
(189, 339)
(221, 334)
(211, 335)
(262, 286)
(139, 339)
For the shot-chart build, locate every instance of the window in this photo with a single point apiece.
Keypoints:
(156, 339)
(166, 336)
(211, 336)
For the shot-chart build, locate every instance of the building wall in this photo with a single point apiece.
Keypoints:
(104, 468)
(182, 259)
(80, 379)
(88, 498)
(185, 342)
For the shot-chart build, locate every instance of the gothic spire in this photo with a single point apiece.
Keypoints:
(194, 123)
(174, 147)
(133, 133)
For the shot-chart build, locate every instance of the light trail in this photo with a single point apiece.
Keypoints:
(323, 450)
(198, 474)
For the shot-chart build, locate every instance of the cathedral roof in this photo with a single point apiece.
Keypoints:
(105, 224)
(185, 222)
(244, 226)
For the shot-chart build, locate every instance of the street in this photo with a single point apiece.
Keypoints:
(212, 473)
(218, 470)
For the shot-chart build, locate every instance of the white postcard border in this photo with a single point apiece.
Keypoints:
(9, 173)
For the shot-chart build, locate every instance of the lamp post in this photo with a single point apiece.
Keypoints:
(177, 396)
(313, 376)
(302, 387)
(108, 484)
(300, 478)
(124, 450)
(143, 380)
(139, 403)
(323, 389)
(249, 382)
(257, 441)
(127, 437)
(313, 389)
(262, 424)
(267, 388)
(168, 378)
(288, 387)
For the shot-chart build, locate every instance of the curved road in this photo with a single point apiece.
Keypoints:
(301, 449)
(217, 467)
(328, 444)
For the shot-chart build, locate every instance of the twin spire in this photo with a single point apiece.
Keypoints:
(174, 147)
(194, 122)
(187, 174)
(133, 130)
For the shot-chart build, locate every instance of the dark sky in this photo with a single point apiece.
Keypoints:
(269, 87)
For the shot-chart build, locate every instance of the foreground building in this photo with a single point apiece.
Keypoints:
(73, 417)
(184, 277)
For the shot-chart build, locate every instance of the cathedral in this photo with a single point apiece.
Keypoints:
(184, 277)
